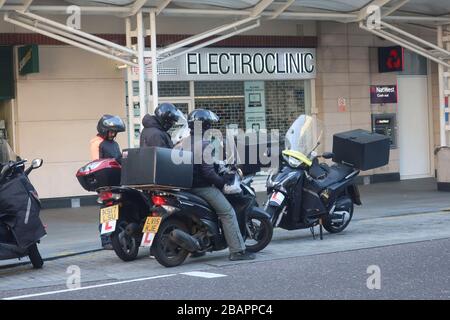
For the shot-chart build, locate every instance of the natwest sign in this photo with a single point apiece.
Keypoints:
(383, 94)
(216, 64)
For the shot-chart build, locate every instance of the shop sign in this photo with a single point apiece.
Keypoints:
(390, 59)
(342, 104)
(255, 121)
(28, 59)
(217, 64)
(255, 105)
(383, 94)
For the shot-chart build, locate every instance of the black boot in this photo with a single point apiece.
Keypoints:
(242, 255)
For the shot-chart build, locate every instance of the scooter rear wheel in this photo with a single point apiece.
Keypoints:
(336, 227)
(35, 257)
(166, 252)
(125, 246)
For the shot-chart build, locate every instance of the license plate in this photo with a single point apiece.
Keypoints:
(109, 214)
(277, 197)
(152, 225)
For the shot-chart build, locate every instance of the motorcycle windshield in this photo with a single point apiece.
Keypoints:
(6, 152)
(180, 130)
(304, 134)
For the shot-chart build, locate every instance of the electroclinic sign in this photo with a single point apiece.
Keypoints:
(217, 64)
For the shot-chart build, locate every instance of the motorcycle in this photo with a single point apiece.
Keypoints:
(189, 224)
(306, 193)
(20, 226)
(173, 222)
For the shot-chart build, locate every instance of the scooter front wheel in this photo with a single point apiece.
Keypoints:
(259, 232)
(35, 256)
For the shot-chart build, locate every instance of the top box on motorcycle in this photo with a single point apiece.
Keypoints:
(361, 149)
(99, 173)
(157, 167)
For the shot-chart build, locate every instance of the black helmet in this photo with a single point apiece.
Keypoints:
(110, 123)
(206, 117)
(167, 115)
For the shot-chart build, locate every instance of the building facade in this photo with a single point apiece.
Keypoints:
(54, 112)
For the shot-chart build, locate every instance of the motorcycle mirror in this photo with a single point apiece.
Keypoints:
(37, 163)
(328, 155)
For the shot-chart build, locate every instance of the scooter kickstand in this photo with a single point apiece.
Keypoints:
(321, 229)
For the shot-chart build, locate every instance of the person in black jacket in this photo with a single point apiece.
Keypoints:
(155, 129)
(103, 145)
(207, 184)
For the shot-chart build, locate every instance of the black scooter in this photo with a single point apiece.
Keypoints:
(20, 226)
(189, 224)
(306, 193)
(312, 194)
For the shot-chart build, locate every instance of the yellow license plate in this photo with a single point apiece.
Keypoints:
(109, 214)
(152, 224)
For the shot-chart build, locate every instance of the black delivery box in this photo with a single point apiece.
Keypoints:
(154, 166)
(363, 150)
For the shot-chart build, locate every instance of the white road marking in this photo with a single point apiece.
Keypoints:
(86, 288)
(207, 275)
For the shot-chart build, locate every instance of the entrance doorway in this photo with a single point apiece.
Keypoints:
(413, 126)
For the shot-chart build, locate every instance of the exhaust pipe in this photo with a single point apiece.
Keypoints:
(184, 240)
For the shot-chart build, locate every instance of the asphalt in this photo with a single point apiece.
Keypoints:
(75, 230)
(418, 270)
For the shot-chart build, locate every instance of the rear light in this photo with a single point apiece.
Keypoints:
(158, 200)
(108, 196)
(105, 195)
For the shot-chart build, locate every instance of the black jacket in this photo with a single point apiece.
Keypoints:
(110, 149)
(153, 135)
(205, 174)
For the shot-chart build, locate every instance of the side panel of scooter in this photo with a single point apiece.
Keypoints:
(196, 210)
(9, 251)
(336, 189)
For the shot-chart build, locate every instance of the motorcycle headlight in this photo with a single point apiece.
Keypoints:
(270, 183)
(293, 162)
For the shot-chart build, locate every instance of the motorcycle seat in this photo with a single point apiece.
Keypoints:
(193, 198)
(335, 173)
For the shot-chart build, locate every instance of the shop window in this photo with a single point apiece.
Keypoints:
(285, 101)
(173, 88)
(414, 64)
(225, 98)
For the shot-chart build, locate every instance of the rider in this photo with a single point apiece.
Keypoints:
(207, 184)
(104, 146)
(155, 129)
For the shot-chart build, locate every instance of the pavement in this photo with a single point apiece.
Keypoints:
(75, 230)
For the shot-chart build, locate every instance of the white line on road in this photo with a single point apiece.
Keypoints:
(86, 288)
(200, 274)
